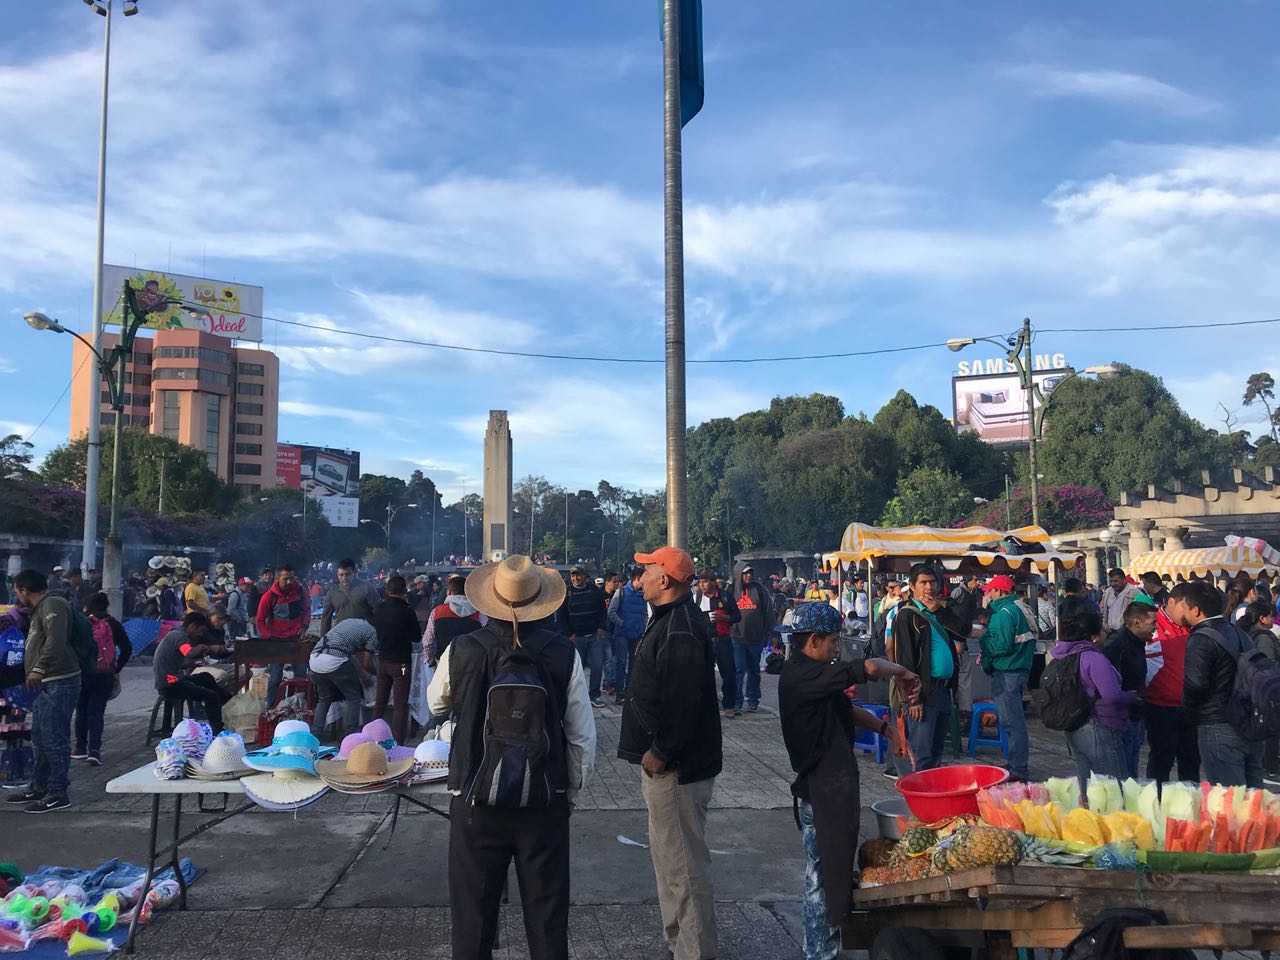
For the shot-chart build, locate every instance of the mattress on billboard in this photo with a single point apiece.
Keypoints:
(995, 406)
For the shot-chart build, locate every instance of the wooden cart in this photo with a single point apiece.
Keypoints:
(1001, 909)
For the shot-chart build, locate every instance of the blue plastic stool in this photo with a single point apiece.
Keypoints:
(976, 738)
(868, 740)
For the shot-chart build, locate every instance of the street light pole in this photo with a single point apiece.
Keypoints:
(1028, 385)
(566, 528)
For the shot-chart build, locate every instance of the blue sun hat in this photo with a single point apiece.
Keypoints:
(294, 751)
(815, 617)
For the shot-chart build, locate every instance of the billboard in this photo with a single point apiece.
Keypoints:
(994, 406)
(331, 477)
(235, 309)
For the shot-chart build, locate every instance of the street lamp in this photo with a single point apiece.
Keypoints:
(386, 527)
(1018, 351)
(114, 364)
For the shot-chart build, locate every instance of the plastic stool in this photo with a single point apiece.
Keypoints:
(868, 740)
(976, 737)
(173, 712)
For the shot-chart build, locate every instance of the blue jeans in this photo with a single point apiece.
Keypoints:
(1225, 757)
(1006, 690)
(275, 673)
(1132, 741)
(821, 939)
(928, 737)
(51, 735)
(591, 650)
(746, 664)
(1099, 750)
(624, 651)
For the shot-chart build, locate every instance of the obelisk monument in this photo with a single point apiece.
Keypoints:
(497, 486)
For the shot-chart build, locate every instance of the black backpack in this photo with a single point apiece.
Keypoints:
(519, 726)
(1066, 705)
(1253, 707)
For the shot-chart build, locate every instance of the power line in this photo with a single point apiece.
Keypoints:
(1162, 326)
(57, 402)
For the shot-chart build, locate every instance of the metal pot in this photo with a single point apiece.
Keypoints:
(887, 813)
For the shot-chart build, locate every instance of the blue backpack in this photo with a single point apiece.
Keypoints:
(519, 725)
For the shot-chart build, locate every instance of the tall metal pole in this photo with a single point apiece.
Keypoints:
(673, 236)
(93, 451)
(433, 525)
(1028, 376)
(1008, 511)
(566, 528)
(466, 550)
(160, 505)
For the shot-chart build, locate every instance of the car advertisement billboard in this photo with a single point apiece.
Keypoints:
(234, 309)
(995, 406)
(328, 475)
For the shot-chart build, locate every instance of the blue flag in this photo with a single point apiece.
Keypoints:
(692, 80)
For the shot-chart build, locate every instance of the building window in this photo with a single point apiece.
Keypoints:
(143, 422)
(252, 389)
(107, 420)
(191, 373)
(248, 487)
(249, 449)
(195, 353)
(211, 425)
(138, 379)
(126, 398)
(251, 369)
(172, 414)
(249, 429)
(252, 409)
(142, 359)
(249, 469)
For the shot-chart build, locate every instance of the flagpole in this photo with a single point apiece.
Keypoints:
(673, 235)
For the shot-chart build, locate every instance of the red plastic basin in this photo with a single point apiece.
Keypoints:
(946, 792)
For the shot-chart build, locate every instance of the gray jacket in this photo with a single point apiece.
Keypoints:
(359, 600)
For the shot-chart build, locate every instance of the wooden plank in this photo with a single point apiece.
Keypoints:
(1190, 936)
(1044, 938)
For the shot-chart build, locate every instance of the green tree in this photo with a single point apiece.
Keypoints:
(15, 458)
(1261, 388)
(929, 496)
(1122, 434)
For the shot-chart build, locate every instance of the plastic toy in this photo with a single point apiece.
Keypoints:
(79, 943)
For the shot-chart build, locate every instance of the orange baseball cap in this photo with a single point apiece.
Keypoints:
(675, 563)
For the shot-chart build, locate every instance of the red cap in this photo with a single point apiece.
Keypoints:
(1001, 582)
(675, 563)
(244, 581)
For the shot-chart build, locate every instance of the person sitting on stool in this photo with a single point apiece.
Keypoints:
(178, 653)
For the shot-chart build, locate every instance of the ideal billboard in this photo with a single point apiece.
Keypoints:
(995, 406)
(235, 309)
(328, 475)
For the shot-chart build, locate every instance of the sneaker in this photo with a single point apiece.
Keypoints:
(80, 753)
(890, 773)
(47, 805)
(618, 700)
(596, 701)
(730, 713)
(752, 707)
(95, 759)
(25, 796)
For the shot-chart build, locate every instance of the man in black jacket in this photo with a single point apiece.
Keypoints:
(397, 629)
(671, 727)
(1209, 674)
(750, 634)
(1126, 648)
(583, 618)
(723, 614)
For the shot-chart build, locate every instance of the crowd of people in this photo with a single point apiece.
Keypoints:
(521, 659)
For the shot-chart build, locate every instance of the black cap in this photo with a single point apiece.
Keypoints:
(576, 569)
(707, 575)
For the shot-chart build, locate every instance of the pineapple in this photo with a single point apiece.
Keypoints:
(916, 841)
(983, 846)
(939, 860)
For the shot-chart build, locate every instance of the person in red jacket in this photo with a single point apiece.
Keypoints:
(284, 613)
(1170, 735)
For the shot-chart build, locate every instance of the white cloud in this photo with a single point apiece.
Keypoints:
(1111, 86)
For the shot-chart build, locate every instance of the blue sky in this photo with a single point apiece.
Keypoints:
(863, 175)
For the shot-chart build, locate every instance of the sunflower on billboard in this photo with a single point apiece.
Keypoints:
(154, 294)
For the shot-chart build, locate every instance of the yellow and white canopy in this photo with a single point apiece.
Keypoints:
(958, 548)
(1203, 562)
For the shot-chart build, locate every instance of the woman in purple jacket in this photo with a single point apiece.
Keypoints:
(1098, 746)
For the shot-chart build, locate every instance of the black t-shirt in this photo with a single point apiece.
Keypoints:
(814, 709)
(169, 663)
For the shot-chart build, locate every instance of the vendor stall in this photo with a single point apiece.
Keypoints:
(1238, 555)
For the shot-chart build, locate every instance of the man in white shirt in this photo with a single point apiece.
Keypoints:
(1116, 600)
(520, 809)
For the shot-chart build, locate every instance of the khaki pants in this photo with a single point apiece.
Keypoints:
(682, 863)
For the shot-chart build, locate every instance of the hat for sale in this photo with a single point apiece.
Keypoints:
(515, 589)
(675, 563)
(155, 563)
(430, 761)
(223, 760)
(815, 617)
(284, 789)
(366, 766)
(379, 731)
(292, 751)
(1002, 582)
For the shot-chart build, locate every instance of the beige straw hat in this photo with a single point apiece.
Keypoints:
(515, 589)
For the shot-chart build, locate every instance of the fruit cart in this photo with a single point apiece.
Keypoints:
(1001, 909)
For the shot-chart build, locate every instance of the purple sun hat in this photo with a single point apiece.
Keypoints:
(379, 731)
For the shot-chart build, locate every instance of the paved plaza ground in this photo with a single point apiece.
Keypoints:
(332, 881)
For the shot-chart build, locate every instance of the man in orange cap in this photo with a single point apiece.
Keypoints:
(671, 727)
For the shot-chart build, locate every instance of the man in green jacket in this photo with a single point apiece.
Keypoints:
(1008, 648)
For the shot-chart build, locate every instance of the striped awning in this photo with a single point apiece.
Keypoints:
(1202, 562)
(948, 544)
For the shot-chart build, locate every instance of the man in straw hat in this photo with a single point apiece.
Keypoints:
(509, 683)
(672, 730)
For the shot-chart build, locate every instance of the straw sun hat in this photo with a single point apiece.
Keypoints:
(516, 590)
